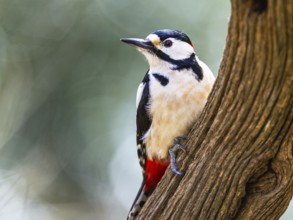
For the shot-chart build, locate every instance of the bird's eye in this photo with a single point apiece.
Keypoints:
(168, 43)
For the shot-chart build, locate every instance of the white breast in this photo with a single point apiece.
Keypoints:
(174, 108)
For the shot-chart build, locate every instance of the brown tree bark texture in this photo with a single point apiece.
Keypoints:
(239, 163)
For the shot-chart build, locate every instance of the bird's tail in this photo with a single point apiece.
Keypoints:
(139, 201)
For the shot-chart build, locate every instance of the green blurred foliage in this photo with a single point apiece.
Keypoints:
(67, 112)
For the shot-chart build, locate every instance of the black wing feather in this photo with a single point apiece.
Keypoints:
(143, 122)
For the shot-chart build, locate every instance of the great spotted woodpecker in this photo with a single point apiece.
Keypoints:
(169, 99)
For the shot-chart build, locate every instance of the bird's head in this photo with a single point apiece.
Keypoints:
(164, 47)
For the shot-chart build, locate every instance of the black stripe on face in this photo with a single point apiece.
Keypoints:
(189, 63)
(162, 79)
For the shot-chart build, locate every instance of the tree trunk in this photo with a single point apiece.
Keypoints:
(239, 163)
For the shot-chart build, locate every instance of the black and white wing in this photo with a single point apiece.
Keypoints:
(143, 120)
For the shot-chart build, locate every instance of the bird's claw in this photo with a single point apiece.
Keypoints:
(172, 151)
(179, 146)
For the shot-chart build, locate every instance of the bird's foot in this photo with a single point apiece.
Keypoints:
(172, 151)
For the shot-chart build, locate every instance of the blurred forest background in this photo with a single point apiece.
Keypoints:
(67, 100)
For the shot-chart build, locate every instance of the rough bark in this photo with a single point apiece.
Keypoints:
(239, 163)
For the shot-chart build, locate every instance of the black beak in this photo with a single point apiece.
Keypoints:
(142, 43)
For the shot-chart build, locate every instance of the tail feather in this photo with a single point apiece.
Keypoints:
(153, 174)
(139, 201)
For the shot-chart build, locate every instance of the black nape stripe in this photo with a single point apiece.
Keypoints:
(162, 79)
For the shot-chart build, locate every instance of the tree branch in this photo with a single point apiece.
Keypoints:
(240, 162)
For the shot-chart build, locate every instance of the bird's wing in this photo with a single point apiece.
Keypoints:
(143, 119)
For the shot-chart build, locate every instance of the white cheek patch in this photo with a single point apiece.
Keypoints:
(179, 49)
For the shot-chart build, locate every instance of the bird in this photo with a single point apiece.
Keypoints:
(169, 100)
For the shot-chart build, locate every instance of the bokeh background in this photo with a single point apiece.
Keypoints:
(67, 100)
